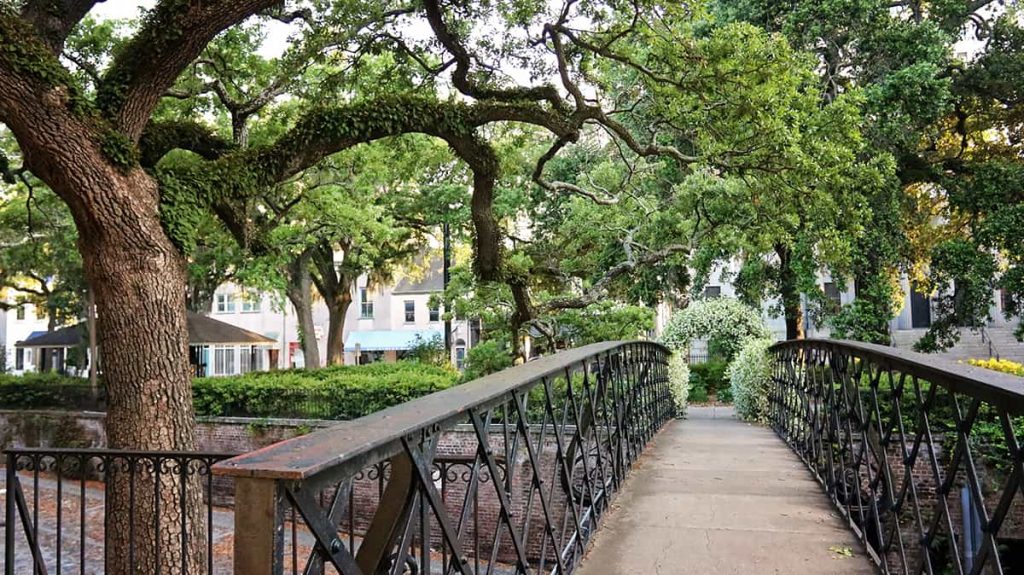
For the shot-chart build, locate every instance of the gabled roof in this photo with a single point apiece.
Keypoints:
(202, 330)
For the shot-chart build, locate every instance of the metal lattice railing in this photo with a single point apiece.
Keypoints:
(921, 455)
(541, 448)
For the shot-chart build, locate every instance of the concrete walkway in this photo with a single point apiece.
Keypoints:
(715, 495)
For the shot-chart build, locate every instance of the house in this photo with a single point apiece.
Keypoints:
(18, 322)
(995, 339)
(383, 323)
(215, 348)
(389, 320)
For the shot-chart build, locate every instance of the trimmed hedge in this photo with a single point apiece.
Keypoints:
(339, 392)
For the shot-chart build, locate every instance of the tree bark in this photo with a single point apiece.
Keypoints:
(335, 286)
(138, 279)
(789, 293)
(300, 293)
(337, 308)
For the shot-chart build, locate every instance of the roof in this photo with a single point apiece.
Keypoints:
(202, 330)
(206, 330)
(431, 282)
(71, 336)
(385, 340)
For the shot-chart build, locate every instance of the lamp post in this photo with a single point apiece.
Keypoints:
(446, 277)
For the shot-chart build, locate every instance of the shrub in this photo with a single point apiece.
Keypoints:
(337, 392)
(1003, 365)
(698, 393)
(750, 380)
(486, 358)
(710, 375)
(679, 382)
(724, 322)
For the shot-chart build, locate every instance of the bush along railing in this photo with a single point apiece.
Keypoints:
(337, 392)
(58, 518)
(542, 448)
(922, 456)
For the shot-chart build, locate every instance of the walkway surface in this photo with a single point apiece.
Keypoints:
(715, 495)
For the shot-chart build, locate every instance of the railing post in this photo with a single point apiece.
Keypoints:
(9, 508)
(259, 527)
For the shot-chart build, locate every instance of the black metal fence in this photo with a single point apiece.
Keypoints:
(922, 456)
(538, 451)
(58, 516)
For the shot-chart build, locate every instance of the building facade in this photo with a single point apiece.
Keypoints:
(995, 339)
(383, 322)
(19, 323)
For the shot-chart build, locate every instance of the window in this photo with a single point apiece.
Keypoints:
(251, 303)
(19, 358)
(366, 305)
(20, 314)
(712, 292)
(223, 360)
(251, 359)
(1005, 300)
(225, 303)
(832, 293)
(460, 357)
(410, 311)
(40, 312)
(435, 312)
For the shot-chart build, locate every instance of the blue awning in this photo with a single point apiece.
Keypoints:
(384, 340)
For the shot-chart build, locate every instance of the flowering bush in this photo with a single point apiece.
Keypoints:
(679, 382)
(1003, 365)
(750, 379)
(724, 322)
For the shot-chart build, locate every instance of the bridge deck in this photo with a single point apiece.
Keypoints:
(715, 495)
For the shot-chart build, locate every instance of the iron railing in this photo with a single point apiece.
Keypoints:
(921, 455)
(58, 502)
(542, 449)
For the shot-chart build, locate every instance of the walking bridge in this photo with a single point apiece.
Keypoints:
(871, 460)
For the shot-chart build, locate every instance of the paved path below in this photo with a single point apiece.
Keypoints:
(714, 495)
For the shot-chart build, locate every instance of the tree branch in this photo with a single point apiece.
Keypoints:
(172, 36)
(53, 20)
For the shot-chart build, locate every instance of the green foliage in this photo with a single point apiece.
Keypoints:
(969, 271)
(338, 392)
(40, 257)
(485, 358)
(428, 351)
(724, 322)
(710, 376)
(750, 380)
(698, 393)
(679, 382)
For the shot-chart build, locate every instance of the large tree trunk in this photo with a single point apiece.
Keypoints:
(789, 293)
(138, 278)
(335, 286)
(300, 293)
(337, 308)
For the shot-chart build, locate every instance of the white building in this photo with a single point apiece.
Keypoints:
(995, 339)
(383, 322)
(18, 324)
